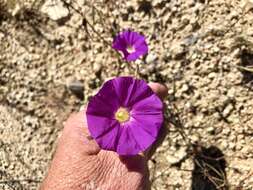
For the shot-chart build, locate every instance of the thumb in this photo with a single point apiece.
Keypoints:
(160, 90)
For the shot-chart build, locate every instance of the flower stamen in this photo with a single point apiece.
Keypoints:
(130, 49)
(122, 115)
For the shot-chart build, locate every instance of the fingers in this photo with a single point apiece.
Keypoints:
(160, 90)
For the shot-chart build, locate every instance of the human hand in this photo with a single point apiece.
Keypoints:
(79, 163)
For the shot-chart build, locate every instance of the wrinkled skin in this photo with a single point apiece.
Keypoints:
(79, 163)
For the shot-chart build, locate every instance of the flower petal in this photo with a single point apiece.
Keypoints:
(139, 91)
(99, 126)
(119, 43)
(127, 145)
(143, 138)
(109, 140)
(140, 41)
(123, 87)
(133, 56)
(101, 105)
(142, 49)
(131, 91)
(131, 37)
(150, 105)
(150, 123)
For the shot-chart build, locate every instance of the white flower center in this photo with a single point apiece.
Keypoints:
(130, 49)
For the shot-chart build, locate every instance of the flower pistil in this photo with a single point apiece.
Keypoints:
(130, 49)
(122, 115)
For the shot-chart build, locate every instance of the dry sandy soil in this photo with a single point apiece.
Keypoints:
(53, 58)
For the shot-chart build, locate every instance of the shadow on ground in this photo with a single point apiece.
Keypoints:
(209, 169)
(247, 67)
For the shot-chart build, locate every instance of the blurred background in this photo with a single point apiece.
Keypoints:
(55, 54)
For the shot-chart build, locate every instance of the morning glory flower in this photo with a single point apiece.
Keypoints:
(125, 116)
(131, 44)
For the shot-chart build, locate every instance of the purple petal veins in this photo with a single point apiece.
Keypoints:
(131, 44)
(125, 116)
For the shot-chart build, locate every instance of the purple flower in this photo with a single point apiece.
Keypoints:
(125, 116)
(131, 44)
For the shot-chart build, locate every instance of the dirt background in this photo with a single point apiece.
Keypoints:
(54, 55)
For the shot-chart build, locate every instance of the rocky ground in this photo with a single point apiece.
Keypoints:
(54, 55)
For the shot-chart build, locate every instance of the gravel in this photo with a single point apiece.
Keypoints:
(195, 48)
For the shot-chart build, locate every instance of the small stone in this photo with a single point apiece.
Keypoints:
(247, 5)
(191, 3)
(239, 147)
(190, 40)
(55, 10)
(177, 156)
(226, 112)
(224, 145)
(151, 58)
(143, 71)
(185, 88)
(151, 68)
(177, 50)
(16, 9)
(195, 138)
(231, 145)
(156, 2)
(210, 130)
(77, 88)
(194, 56)
(97, 67)
(215, 49)
(231, 93)
(212, 75)
(226, 131)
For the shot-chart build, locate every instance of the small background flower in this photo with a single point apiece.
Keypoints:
(125, 116)
(131, 44)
